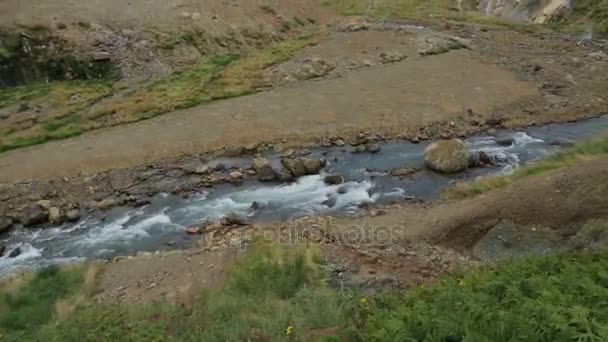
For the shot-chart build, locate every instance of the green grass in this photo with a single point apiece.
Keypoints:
(79, 106)
(27, 306)
(584, 151)
(278, 294)
(560, 298)
(266, 293)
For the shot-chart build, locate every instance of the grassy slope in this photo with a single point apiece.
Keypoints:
(278, 295)
(212, 78)
(596, 148)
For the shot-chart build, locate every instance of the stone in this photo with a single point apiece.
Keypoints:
(372, 148)
(15, 253)
(106, 203)
(56, 215)
(72, 215)
(314, 68)
(33, 215)
(436, 45)
(236, 175)
(5, 224)
(264, 170)
(45, 204)
(256, 206)
(447, 156)
(343, 189)
(233, 151)
(202, 170)
(2, 250)
(295, 167)
(312, 166)
(491, 131)
(102, 56)
(359, 149)
(480, 159)
(505, 141)
(403, 171)
(232, 219)
(333, 179)
(331, 201)
(392, 57)
(353, 24)
(193, 230)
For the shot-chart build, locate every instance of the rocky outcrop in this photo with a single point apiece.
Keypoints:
(447, 156)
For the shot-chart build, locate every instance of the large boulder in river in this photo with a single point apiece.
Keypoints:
(447, 156)
(5, 224)
(32, 215)
(302, 166)
(264, 169)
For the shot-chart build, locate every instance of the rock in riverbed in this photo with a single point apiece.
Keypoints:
(2, 250)
(264, 169)
(5, 224)
(15, 253)
(302, 166)
(32, 215)
(447, 156)
(334, 180)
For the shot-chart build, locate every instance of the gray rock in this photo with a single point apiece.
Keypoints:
(232, 219)
(5, 224)
(45, 204)
(447, 156)
(295, 167)
(15, 252)
(334, 180)
(403, 171)
(314, 68)
(264, 170)
(354, 24)
(436, 45)
(33, 215)
(2, 250)
(56, 215)
(102, 56)
(505, 141)
(331, 201)
(106, 203)
(72, 215)
(480, 159)
(372, 148)
(312, 166)
(359, 149)
(392, 57)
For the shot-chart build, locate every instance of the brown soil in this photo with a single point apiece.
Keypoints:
(175, 277)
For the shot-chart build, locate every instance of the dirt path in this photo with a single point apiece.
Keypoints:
(394, 97)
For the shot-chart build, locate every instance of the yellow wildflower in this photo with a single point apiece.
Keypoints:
(363, 300)
(461, 283)
(289, 330)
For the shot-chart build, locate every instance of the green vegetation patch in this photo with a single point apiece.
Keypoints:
(583, 151)
(560, 298)
(278, 294)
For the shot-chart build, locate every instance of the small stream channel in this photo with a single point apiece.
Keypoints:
(162, 224)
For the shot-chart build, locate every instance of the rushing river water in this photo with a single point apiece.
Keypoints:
(162, 224)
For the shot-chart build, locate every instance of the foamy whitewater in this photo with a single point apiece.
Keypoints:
(161, 225)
